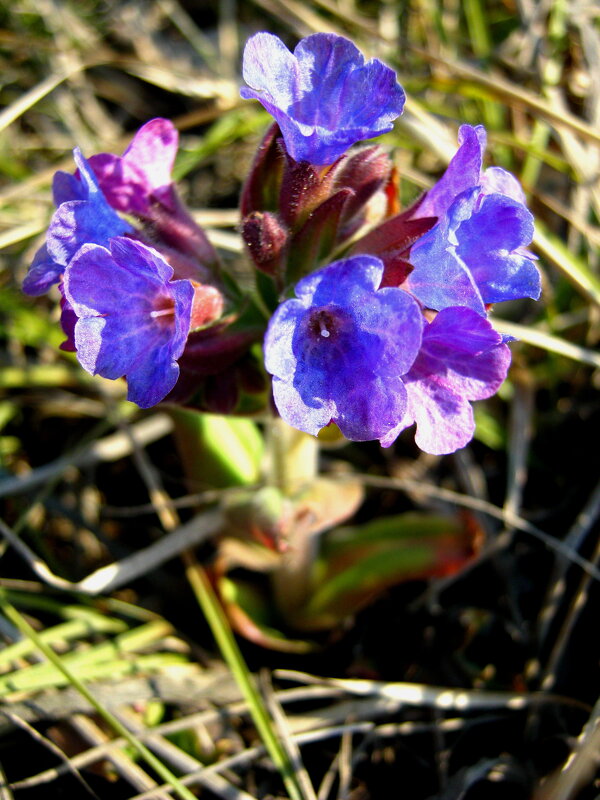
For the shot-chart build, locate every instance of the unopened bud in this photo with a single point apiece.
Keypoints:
(207, 305)
(266, 237)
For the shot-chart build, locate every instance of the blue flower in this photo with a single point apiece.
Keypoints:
(323, 96)
(476, 254)
(339, 352)
(132, 319)
(83, 216)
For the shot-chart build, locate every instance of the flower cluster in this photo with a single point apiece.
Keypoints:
(393, 333)
(129, 298)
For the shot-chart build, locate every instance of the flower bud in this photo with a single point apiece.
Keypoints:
(266, 238)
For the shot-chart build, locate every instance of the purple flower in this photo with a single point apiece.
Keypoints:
(83, 216)
(130, 181)
(324, 97)
(133, 320)
(339, 352)
(476, 254)
(462, 358)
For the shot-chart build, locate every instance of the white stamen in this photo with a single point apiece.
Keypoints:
(161, 312)
(324, 331)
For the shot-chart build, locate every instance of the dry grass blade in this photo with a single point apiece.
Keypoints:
(282, 727)
(183, 762)
(5, 791)
(123, 765)
(513, 95)
(556, 600)
(414, 694)
(112, 576)
(172, 690)
(34, 95)
(521, 431)
(111, 448)
(49, 745)
(548, 342)
(579, 769)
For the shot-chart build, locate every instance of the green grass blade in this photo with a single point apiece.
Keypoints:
(65, 632)
(546, 341)
(579, 273)
(164, 772)
(230, 651)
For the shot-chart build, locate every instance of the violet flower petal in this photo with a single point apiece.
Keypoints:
(440, 278)
(42, 273)
(153, 149)
(124, 185)
(133, 320)
(74, 223)
(496, 180)
(462, 358)
(324, 96)
(128, 181)
(67, 187)
(492, 243)
(463, 173)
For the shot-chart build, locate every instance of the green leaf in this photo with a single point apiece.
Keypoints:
(487, 428)
(252, 616)
(218, 451)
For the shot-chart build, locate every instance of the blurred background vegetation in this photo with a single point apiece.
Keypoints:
(87, 479)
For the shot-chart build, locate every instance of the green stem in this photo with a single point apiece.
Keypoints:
(293, 457)
(155, 763)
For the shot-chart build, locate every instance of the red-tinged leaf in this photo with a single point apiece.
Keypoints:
(356, 564)
(317, 238)
(391, 242)
(261, 516)
(251, 615)
(396, 272)
(261, 190)
(394, 236)
(320, 506)
(325, 503)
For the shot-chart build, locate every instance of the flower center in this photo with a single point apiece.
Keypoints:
(163, 311)
(323, 323)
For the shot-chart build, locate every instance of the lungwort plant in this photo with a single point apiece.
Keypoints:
(366, 319)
